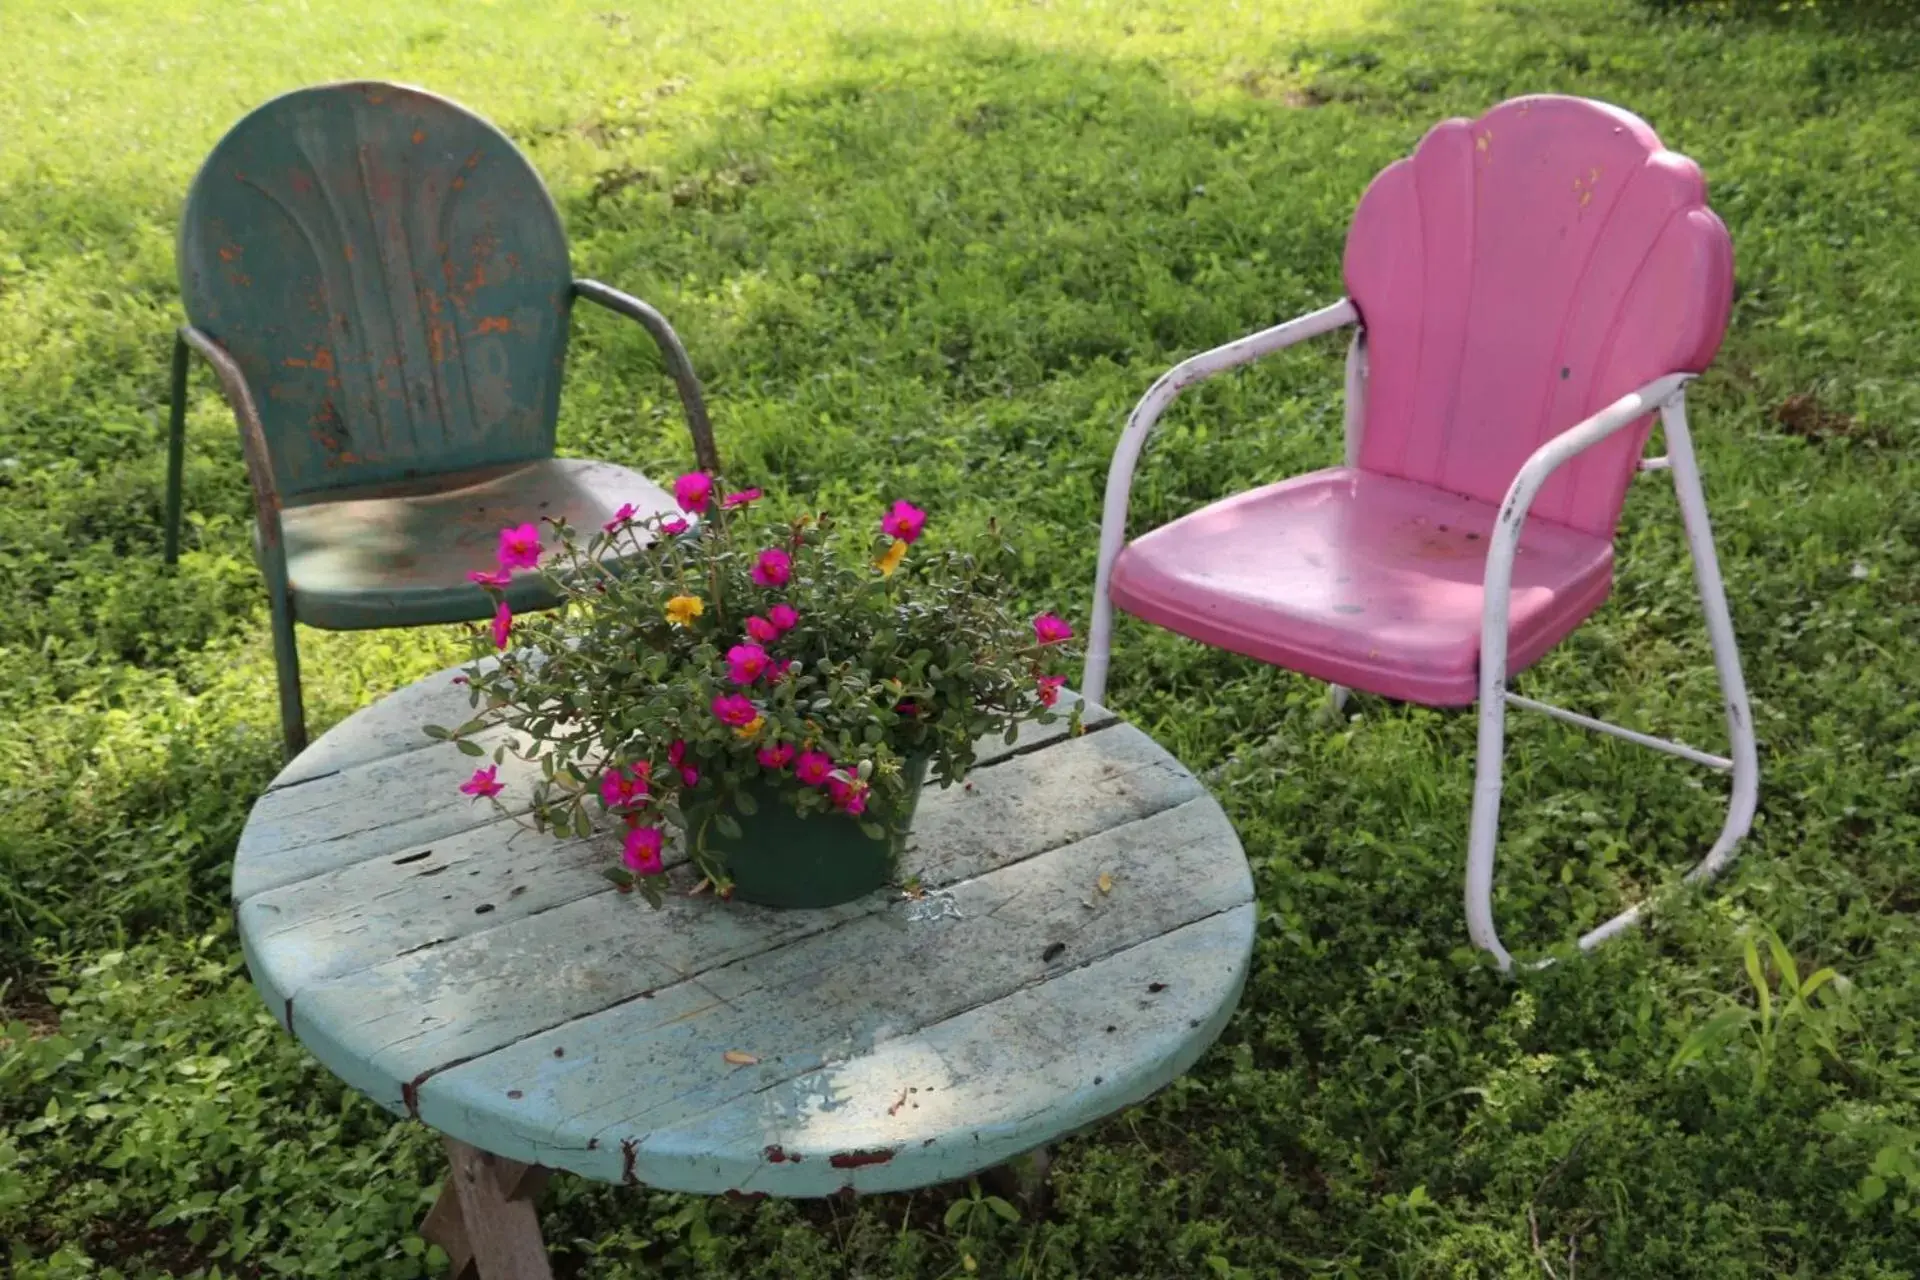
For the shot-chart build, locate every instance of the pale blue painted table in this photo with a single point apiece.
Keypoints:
(1086, 939)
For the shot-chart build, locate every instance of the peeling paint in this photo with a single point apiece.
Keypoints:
(858, 1159)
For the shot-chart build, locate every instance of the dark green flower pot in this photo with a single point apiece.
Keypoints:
(784, 860)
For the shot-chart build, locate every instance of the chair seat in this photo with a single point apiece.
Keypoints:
(1360, 579)
(398, 554)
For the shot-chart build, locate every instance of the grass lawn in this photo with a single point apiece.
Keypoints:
(937, 255)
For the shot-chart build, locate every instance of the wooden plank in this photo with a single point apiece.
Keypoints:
(383, 907)
(649, 1066)
(386, 1025)
(388, 728)
(399, 802)
(364, 812)
(936, 1102)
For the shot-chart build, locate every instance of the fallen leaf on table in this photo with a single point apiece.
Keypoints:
(739, 1058)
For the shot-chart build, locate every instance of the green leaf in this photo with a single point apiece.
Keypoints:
(619, 875)
(1872, 1188)
(726, 825)
(470, 748)
(1757, 975)
(1783, 961)
(1004, 1211)
(582, 824)
(1710, 1035)
(957, 1212)
(743, 801)
(436, 732)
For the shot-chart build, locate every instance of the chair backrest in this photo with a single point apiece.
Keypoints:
(392, 277)
(1519, 272)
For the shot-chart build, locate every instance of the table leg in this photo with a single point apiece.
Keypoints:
(485, 1217)
(1023, 1180)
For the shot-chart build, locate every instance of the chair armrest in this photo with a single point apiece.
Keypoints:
(679, 367)
(1133, 439)
(253, 436)
(1534, 473)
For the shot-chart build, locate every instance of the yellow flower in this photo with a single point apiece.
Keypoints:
(887, 563)
(682, 610)
(750, 728)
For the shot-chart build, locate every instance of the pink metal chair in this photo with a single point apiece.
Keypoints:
(1530, 288)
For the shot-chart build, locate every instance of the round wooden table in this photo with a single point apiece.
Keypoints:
(1084, 937)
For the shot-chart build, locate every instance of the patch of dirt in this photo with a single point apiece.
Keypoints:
(1804, 416)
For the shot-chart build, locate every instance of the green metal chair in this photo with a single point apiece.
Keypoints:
(381, 283)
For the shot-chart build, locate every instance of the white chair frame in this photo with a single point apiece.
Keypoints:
(1665, 395)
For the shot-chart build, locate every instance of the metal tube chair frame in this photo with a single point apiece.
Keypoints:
(1667, 396)
(266, 498)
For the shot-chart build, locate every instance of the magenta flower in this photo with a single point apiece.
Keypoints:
(642, 851)
(783, 617)
(778, 671)
(848, 797)
(490, 577)
(626, 512)
(519, 547)
(483, 783)
(693, 491)
(813, 767)
(740, 499)
(773, 568)
(1051, 628)
(735, 709)
(675, 526)
(745, 664)
(502, 625)
(762, 630)
(677, 756)
(1049, 689)
(904, 522)
(775, 757)
(620, 787)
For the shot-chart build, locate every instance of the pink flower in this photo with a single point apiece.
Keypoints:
(740, 499)
(490, 577)
(502, 625)
(625, 513)
(775, 757)
(762, 630)
(1049, 689)
(519, 547)
(675, 526)
(813, 767)
(778, 671)
(904, 522)
(693, 491)
(642, 851)
(745, 664)
(773, 568)
(676, 756)
(1051, 628)
(783, 617)
(620, 787)
(906, 709)
(483, 783)
(735, 709)
(848, 797)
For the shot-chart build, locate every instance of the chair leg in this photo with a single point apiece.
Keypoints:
(1745, 752)
(286, 661)
(176, 447)
(1483, 833)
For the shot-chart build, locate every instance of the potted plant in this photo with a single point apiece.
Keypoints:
(776, 692)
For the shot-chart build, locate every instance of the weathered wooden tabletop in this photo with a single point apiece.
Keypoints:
(487, 979)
